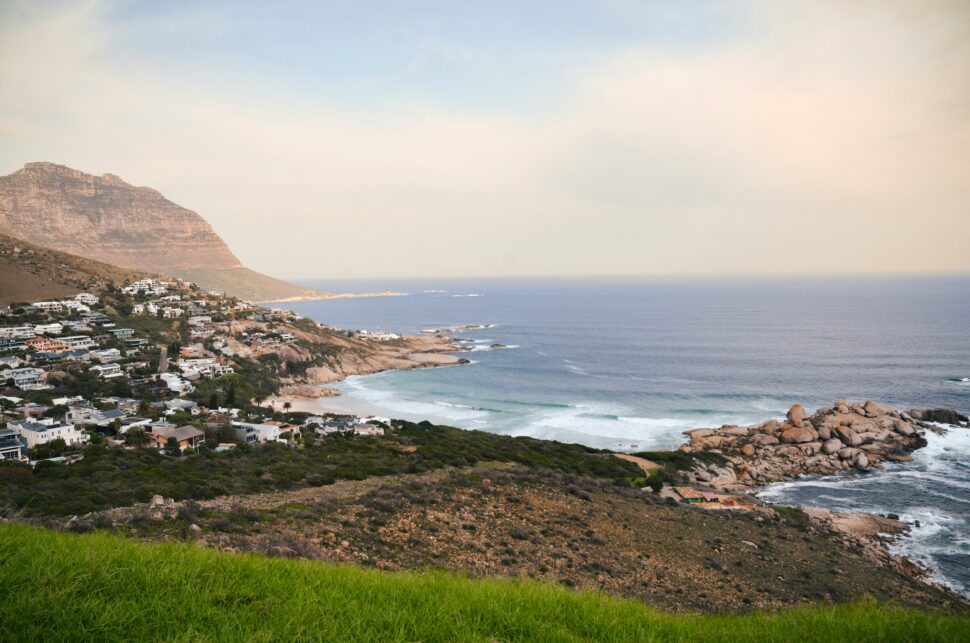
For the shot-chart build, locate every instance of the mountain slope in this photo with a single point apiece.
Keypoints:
(106, 219)
(31, 273)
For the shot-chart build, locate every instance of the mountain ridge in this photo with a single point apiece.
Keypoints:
(106, 219)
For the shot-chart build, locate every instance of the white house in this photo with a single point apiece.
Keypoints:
(86, 298)
(18, 332)
(49, 329)
(79, 342)
(252, 433)
(27, 379)
(49, 306)
(107, 370)
(171, 313)
(175, 383)
(37, 432)
(107, 355)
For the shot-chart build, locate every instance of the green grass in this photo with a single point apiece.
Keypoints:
(57, 586)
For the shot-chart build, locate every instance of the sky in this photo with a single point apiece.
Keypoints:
(412, 139)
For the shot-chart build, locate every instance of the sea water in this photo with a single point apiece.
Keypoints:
(630, 364)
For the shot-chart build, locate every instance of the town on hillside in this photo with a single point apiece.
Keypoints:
(155, 364)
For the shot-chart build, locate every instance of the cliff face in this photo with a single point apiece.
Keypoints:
(105, 219)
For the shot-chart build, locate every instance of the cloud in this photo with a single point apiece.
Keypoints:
(819, 138)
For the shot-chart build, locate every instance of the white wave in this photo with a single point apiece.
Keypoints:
(471, 294)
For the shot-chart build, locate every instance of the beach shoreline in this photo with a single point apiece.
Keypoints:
(325, 296)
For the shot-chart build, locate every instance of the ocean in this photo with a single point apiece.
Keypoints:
(630, 364)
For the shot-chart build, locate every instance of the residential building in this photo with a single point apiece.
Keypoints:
(122, 333)
(130, 423)
(12, 446)
(10, 361)
(48, 306)
(107, 355)
(264, 432)
(17, 332)
(48, 329)
(86, 298)
(27, 379)
(79, 342)
(107, 371)
(104, 419)
(188, 437)
(46, 345)
(37, 432)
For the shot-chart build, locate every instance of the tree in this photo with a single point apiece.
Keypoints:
(136, 438)
(287, 406)
(58, 410)
(214, 400)
(172, 447)
(231, 395)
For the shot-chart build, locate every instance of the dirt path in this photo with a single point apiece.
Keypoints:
(643, 463)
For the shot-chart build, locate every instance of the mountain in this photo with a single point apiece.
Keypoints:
(106, 219)
(32, 273)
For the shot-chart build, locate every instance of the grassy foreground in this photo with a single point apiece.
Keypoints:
(57, 586)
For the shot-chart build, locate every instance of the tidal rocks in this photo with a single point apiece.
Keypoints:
(831, 446)
(796, 415)
(798, 434)
(844, 436)
(943, 416)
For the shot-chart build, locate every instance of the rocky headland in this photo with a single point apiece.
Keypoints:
(846, 436)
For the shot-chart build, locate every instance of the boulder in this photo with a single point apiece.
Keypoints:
(699, 433)
(848, 436)
(771, 426)
(903, 428)
(861, 461)
(748, 450)
(156, 501)
(824, 433)
(798, 435)
(871, 408)
(848, 453)
(763, 440)
(833, 445)
(796, 415)
(734, 430)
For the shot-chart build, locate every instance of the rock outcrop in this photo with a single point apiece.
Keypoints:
(105, 219)
(843, 437)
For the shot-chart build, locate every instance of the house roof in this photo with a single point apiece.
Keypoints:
(111, 414)
(180, 433)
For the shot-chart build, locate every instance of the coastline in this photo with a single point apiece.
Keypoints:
(324, 296)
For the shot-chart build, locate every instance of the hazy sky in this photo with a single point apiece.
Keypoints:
(378, 139)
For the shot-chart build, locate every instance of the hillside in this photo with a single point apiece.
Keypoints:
(107, 588)
(32, 273)
(106, 219)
